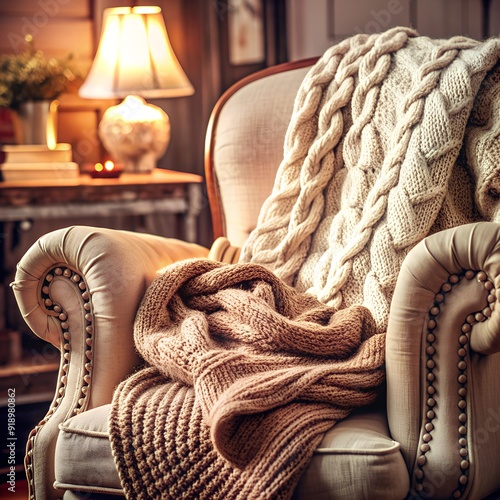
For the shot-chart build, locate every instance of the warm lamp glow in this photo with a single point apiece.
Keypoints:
(135, 57)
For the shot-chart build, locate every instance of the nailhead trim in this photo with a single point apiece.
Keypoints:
(55, 310)
(462, 349)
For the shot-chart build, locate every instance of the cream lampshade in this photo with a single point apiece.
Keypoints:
(134, 61)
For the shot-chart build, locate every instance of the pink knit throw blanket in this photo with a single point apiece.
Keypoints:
(245, 375)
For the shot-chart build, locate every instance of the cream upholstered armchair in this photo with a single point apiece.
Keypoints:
(436, 431)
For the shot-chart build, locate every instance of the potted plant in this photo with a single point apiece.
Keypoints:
(29, 83)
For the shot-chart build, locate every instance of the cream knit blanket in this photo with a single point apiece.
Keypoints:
(245, 376)
(377, 156)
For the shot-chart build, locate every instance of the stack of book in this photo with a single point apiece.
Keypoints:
(26, 162)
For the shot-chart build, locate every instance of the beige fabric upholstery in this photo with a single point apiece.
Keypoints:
(249, 148)
(358, 444)
(222, 251)
(92, 468)
(356, 459)
(467, 410)
(97, 278)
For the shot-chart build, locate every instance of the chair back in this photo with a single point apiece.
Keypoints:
(244, 146)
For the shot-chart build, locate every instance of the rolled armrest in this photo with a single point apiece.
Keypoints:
(443, 363)
(222, 251)
(79, 289)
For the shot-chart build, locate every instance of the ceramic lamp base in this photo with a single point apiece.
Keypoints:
(135, 134)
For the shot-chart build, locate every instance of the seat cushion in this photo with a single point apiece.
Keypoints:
(356, 459)
(83, 459)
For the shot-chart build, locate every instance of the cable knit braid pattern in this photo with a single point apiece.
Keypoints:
(374, 139)
(245, 375)
(483, 146)
(290, 216)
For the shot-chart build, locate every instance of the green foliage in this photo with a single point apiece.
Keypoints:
(29, 76)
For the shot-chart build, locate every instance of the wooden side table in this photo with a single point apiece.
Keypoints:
(162, 191)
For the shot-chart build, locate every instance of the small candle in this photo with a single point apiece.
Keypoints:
(108, 170)
(109, 165)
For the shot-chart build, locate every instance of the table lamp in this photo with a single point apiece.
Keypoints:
(134, 61)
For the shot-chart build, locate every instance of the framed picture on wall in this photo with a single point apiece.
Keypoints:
(252, 36)
(246, 32)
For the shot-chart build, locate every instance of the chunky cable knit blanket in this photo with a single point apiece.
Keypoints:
(393, 136)
(389, 137)
(245, 376)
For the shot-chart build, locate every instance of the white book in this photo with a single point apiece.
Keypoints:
(27, 153)
(36, 171)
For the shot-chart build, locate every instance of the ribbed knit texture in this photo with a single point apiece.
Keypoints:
(370, 163)
(246, 374)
